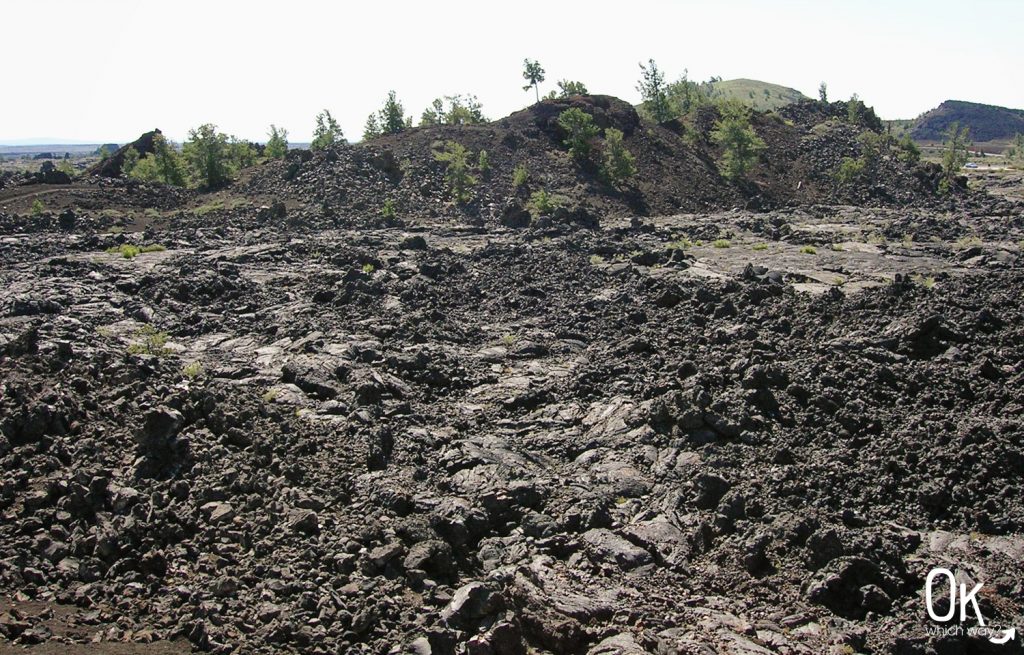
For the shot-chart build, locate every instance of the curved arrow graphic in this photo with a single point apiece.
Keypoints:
(1008, 634)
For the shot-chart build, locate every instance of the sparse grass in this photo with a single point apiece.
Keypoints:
(149, 341)
(206, 208)
(126, 250)
(876, 238)
(596, 260)
(152, 213)
(38, 207)
(509, 339)
(1020, 244)
(908, 240)
(721, 243)
(681, 243)
(928, 282)
(809, 250)
(968, 242)
(368, 268)
(192, 371)
(271, 395)
(129, 251)
(760, 246)
(838, 247)
(839, 280)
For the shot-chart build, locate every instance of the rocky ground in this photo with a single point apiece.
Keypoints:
(302, 429)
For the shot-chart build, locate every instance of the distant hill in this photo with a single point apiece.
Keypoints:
(762, 96)
(987, 122)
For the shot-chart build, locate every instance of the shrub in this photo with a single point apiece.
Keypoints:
(619, 163)
(388, 210)
(569, 88)
(809, 250)
(457, 173)
(543, 203)
(193, 370)
(326, 133)
(520, 175)
(37, 207)
(459, 111)
(149, 341)
(580, 131)
(760, 246)
(741, 145)
(277, 143)
(163, 165)
(908, 150)
(208, 154)
(721, 243)
(850, 170)
(241, 153)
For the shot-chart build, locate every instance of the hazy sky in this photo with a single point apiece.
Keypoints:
(108, 70)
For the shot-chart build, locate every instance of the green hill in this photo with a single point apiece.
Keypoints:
(762, 96)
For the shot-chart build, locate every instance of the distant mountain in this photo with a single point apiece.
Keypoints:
(987, 122)
(46, 141)
(760, 95)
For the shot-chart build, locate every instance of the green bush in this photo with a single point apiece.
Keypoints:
(619, 163)
(954, 149)
(277, 143)
(388, 210)
(209, 156)
(543, 203)
(850, 171)
(460, 181)
(163, 165)
(520, 175)
(37, 207)
(149, 341)
(326, 133)
(580, 131)
(459, 111)
(908, 150)
(483, 162)
(741, 145)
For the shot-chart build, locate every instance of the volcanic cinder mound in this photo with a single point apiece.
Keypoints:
(305, 427)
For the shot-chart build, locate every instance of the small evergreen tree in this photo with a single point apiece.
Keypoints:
(326, 133)
(823, 92)
(456, 158)
(534, 74)
(434, 114)
(580, 131)
(569, 88)
(619, 163)
(741, 145)
(277, 143)
(483, 163)
(908, 150)
(391, 117)
(371, 129)
(954, 149)
(652, 89)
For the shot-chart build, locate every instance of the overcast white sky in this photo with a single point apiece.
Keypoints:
(108, 70)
